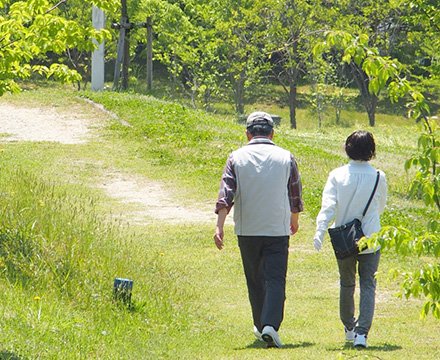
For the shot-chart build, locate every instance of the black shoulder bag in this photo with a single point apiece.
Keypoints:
(345, 238)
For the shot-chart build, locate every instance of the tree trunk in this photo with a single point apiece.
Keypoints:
(369, 99)
(149, 53)
(370, 103)
(239, 95)
(292, 103)
(293, 97)
(371, 110)
(125, 61)
(126, 57)
(174, 75)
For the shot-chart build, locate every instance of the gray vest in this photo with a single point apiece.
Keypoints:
(262, 206)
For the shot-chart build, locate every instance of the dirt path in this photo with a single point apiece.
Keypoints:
(37, 124)
(150, 199)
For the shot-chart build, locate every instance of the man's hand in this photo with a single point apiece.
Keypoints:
(218, 237)
(294, 225)
(219, 234)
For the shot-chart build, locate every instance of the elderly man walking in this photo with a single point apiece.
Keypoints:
(262, 181)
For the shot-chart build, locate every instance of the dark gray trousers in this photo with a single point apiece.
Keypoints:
(265, 267)
(367, 265)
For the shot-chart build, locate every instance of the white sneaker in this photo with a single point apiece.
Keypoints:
(360, 340)
(271, 337)
(257, 334)
(349, 334)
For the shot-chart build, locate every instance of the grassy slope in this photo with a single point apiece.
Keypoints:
(190, 300)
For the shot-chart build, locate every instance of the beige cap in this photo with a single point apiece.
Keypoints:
(259, 118)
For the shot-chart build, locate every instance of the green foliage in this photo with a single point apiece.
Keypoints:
(18, 256)
(426, 184)
(36, 250)
(293, 30)
(31, 29)
(211, 49)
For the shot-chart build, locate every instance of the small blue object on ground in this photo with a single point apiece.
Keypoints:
(122, 289)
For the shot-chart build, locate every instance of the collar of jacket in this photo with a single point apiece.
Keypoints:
(260, 140)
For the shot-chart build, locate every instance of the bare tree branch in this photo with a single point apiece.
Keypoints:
(57, 5)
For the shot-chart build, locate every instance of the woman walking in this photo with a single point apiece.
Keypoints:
(344, 198)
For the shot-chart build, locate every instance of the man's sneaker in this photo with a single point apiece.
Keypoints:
(360, 340)
(271, 337)
(257, 334)
(349, 334)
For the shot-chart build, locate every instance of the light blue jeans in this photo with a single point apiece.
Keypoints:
(367, 265)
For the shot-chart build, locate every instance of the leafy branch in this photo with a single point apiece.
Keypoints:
(31, 29)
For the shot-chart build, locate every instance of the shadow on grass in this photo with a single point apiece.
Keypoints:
(6, 355)
(262, 345)
(383, 347)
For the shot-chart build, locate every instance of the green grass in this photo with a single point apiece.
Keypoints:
(63, 242)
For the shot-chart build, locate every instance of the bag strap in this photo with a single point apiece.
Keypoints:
(372, 194)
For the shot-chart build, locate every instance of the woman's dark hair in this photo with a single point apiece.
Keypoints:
(260, 129)
(360, 146)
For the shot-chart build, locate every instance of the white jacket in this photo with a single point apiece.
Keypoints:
(346, 194)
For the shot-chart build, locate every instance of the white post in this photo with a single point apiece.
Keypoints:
(149, 54)
(98, 22)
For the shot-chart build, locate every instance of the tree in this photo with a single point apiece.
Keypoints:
(381, 22)
(423, 43)
(185, 43)
(293, 29)
(242, 50)
(30, 30)
(319, 98)
(80, 59)
(209, 46)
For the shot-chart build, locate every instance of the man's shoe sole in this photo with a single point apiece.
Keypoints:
(269, 341)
